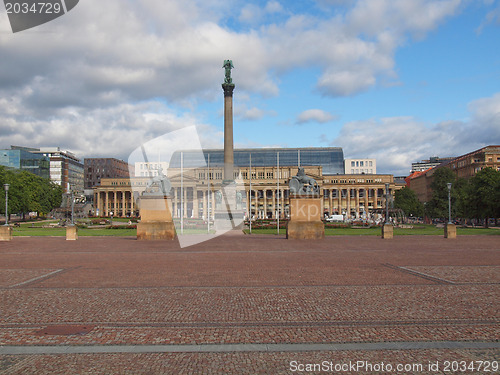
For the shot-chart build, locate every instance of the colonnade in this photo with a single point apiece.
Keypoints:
(260, 202)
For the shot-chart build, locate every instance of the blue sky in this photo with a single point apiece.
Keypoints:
(395, 80)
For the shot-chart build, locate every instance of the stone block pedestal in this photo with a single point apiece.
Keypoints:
(5, 233)
(156, 218)
(71, 233)
(387, 231)
(450, 231)
(305, 218)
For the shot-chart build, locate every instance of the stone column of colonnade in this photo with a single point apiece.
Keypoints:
(106, 203)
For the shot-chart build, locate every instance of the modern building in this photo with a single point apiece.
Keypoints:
(150, 169)
(98, 168)
(432, 162)
(360, 166)
(331, 159)
(361, 196)
(465, 166)
(25, 159)
(65, 168)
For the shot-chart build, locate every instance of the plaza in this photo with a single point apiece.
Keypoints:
(248, 304)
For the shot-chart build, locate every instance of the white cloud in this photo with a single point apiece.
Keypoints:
(396, 142)
(315, 115)
(89, 81)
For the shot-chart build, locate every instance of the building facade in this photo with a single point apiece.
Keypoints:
(25, 159)
(465, 166)
(193, 193)
(65, 168)
(360, 166)
(432, 162)
(149, 169)
(98, 168)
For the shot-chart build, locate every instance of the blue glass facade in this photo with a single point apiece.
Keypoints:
(25, 160)
(330, 158)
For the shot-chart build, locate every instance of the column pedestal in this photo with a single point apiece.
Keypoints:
(156, 218)
(305, 218)
(5, 233)
(387, 231)
(450, 231)
(71, 233)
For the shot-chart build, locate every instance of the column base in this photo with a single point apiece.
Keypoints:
(450, 231)
(5, 233)
(71, 233)
(156, 231)
(305, 230)
(387, 231)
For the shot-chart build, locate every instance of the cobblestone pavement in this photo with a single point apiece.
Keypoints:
(249, 290)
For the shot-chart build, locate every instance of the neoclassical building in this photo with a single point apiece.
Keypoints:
(264, 176)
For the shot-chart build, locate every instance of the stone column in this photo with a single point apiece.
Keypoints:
(106, 203)
(330, 201)
(348, 208)
(132, 206)
(195, 202)
(265, 203)
(356, 197)
(97, 203)
(274, 204)
(184, 202)
(228, 131)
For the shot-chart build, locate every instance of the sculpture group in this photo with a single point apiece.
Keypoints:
(301, 184)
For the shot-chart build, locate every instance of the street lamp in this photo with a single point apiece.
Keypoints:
(449, 202)
(387, 203)
(6, 187)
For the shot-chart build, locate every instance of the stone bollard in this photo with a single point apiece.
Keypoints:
(450, 231)
(387, 231)
(71, 233)
(5, 233)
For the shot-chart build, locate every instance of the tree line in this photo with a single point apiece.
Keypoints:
(475, 198)
(28, 193)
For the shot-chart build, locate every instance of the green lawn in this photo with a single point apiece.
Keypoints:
(375, 231)
(37, 230)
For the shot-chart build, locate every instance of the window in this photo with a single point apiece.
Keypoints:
(361, 163)
(261, 175)
(371, 163)
(357, 163)
(353, 164)
(270, 175)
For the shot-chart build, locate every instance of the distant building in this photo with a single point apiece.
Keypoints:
(432, 162)
(361, 196)
(25, 159)
(150, 169)
(465, 166)
(360, 166)
(98, 168)
(65, 168)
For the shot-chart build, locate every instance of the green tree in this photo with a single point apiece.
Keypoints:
(484, 198)
(437, 207)
(29, 192)
(407, 200)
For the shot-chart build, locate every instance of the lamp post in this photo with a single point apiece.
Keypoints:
(6, 187)
(449, 202)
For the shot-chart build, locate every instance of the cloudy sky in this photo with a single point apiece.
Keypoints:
(397, 80)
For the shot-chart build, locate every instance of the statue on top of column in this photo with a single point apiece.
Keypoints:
(303, 184)
(228, 65)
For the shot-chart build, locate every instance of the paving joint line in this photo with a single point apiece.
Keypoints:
(257, 347)
(35, 279)
(422, 275)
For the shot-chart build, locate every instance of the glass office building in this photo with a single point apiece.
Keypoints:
(24, 159)
(331, 159)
